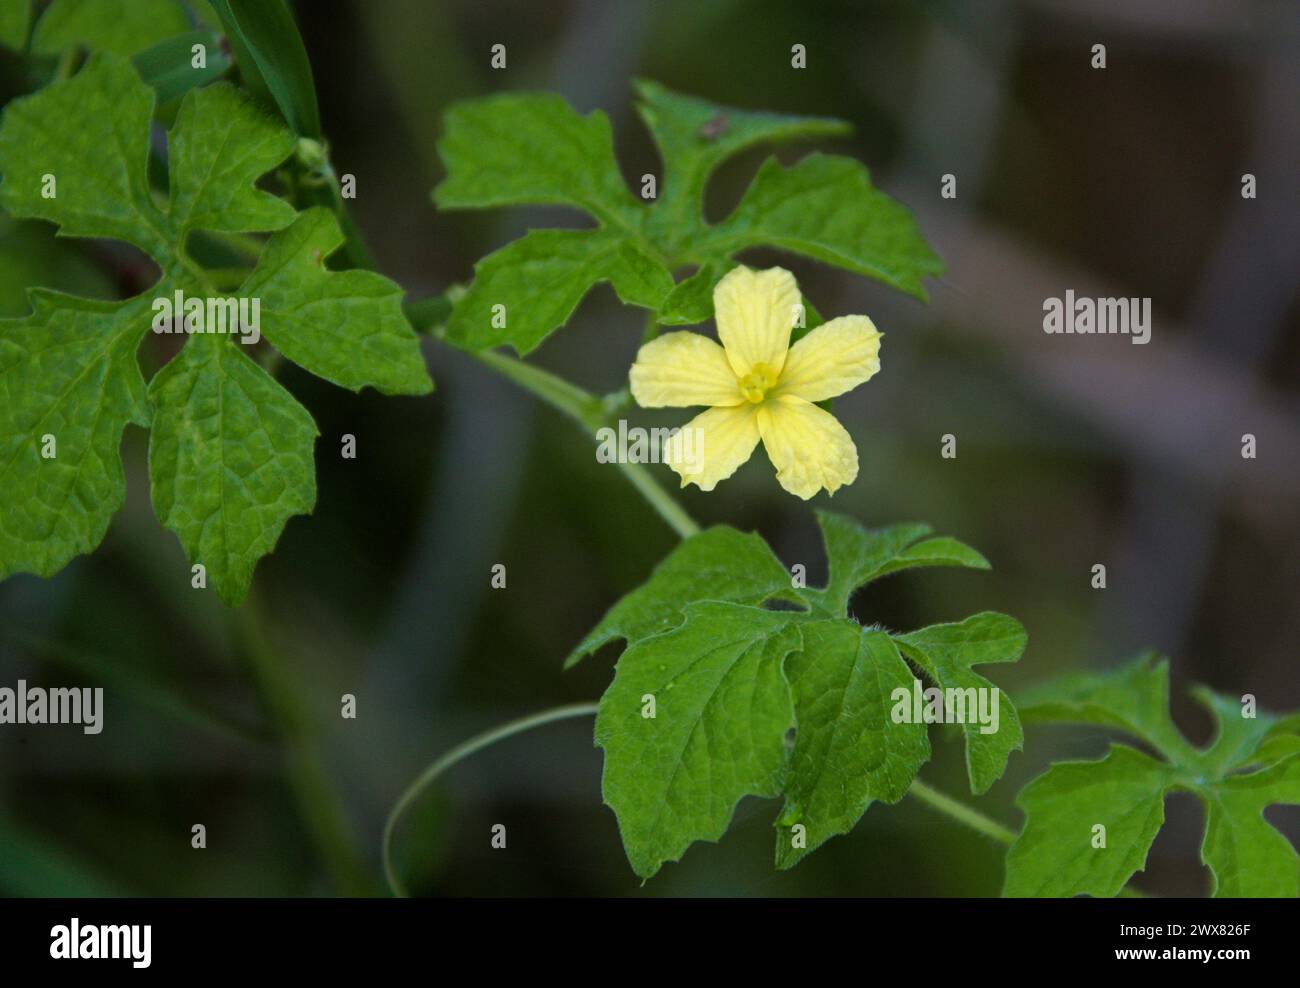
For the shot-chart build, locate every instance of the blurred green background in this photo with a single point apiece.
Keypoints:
(1071, 451)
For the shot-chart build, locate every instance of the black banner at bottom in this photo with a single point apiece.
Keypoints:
(336, 937)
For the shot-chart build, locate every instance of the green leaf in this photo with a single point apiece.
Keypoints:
(721, 711)
(15, 19)
(1243, 741)
(718, 564)
(695, 136)
(1055, 855)
(516, 148)
(848, 751)
(859, 555)
(97, 155)
(77, 359)
(230, 459)
(1245, 855)
(1133, 698)
(123, 27)
(273, 59)
(825, 207)
(67, 371)
(541, 278)
(344, 326)
(698, 621)
(691, 300)
(168, 67)
(211, 179)
(946, 653)
(531, 148)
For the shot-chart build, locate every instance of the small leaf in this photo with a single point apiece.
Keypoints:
(1241, 741)
(67, 371)
(516, 148)
(272, 59)
(1133, 698)
(1246, 855)
(212, 181)
(946, 653)
(691, 300)
(825, 207)
(848, 751)
(120, 26)
(541, 278)
(344, 326)
(719, 564)
(858, 555)
(722, 708)
(694, 136)
(230, 459)
(98, 155)
(1054, 856)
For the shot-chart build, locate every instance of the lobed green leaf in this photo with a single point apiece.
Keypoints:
(718, 564)
(1125, 792)
(529, 288)
(700, 617)
(946, 653)
(859, 555)
(517, 148)
(848, 751)
(231, 455)
(532, 148)
(721, 710)
(230, 459)
(826, 208)
(1058, 853)
(67, 371)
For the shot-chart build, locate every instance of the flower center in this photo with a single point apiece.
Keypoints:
(755, 385)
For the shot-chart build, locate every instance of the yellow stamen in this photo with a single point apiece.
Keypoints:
(755, 385)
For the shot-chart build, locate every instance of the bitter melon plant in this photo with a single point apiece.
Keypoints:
(735, 678)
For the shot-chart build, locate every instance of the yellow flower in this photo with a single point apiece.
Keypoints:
(759, 386)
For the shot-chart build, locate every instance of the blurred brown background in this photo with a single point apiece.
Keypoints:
(1071, 451)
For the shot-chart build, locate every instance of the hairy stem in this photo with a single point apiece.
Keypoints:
(960, 812)
(458, 754)
(587, 410)
(590, 414)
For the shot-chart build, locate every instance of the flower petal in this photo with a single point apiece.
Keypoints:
(678, 370)
(834, 358)
(713, 445)
(808, 446)
(755, 312)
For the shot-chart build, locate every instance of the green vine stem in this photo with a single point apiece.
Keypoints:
(961, 813)
(932, 797)
(458, 754)
(590, 413)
